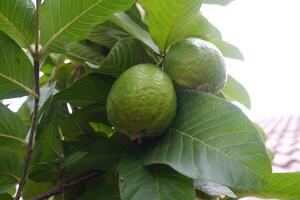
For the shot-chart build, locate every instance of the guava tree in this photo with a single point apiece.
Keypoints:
(126, 100)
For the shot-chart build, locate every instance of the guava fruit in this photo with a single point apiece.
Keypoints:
(142, 101)
(196, 64)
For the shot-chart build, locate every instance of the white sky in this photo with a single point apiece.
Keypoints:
(268, 34)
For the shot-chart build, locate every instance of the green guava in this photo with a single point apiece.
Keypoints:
(196, 64)
(142, 101)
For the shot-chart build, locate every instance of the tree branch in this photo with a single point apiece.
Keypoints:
(61, 188)
(36, 59)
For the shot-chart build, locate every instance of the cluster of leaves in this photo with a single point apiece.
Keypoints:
(211, 150)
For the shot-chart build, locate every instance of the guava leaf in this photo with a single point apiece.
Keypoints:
(213, 189)
(169, 19)
(201, 26)
(66, 21)
(283, 186)
(8, 190)
(83, 51)
(74, 125)
(63, 76)
(24, 113)
(106, 34)
(219, 2)
(100, 154)
(39, 171)
(16, 71)
(74, 158)
(45, 94)
(6, 196)
(32, 189)
(103, 187)
(235, 91)
(125, 53)
(12, 130)
(154, 183)
(136, 15)
(228, 50)
(212, 139)
(48, 147)
(125, 22)
(17, 20)
(90, 89)
(11, 167)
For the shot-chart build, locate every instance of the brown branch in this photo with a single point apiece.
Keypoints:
(61, 188)
(33, 127)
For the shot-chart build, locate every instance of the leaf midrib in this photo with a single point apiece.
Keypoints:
(16, 30)
(67, 26)
(157, 185)
(215, 149)
(24, 87)
(12, 137)
(10, 175)
(172, 25)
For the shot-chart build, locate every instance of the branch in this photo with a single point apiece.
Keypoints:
(36, 59)
(61, 188)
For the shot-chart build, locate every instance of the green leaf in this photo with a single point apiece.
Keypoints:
(125, 22)
(48, 147)
(155, 183)
(12, 130)
(168, 19)
(135, 14)
(106, 34)
(46, 93)
(125, 53)
(102, 154)
(103, 128)
(203, 196)
(228, 50)
(17, 20)
(200, 26)
(220, 2)
(76, 124)
(235, 91)
(10, 190)
(103, 187)
(32, 189)
(84, 51)
(11, 167)
(24, 113)
(283, 186)
(90, 89)
(66, 21)
(6, 196)
(39, 171)
(63, 75)
(74, 158)
(212, 139)
(213, 189)
(16, 71)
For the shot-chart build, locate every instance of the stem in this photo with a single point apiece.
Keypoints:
(29, 145)
(62, 178)
(61, 188)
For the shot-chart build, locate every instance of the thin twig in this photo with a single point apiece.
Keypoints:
(29, 145)
(61, 188)
(62, 165)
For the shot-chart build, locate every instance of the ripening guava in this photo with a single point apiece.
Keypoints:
(142, 101)
(196, 64)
